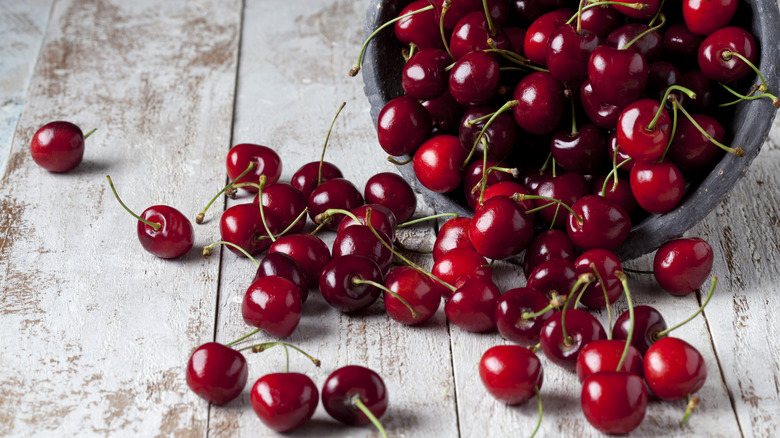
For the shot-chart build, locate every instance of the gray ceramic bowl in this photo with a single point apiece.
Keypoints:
(750, 126)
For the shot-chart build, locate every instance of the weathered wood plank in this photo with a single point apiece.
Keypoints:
(98, 330)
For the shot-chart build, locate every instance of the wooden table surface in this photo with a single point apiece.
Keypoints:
(97, 332)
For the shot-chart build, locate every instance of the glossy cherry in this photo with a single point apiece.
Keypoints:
(381, 218)
(715, 59)
(549, 244)
(650, 45)
(419, 290)
(637, 137)
(583, 151)
(542, 103)
(660, 76)
(421, 29)
(424, 76)
(474, 79)
(509, 315)
(683, 265)
(340, 282)
(620, 193)
(391, 191)
(657, 187)
(691, 150)
(602, 20)
(472, 306)
(58, 146)
(674, 369)
(337, 193)
(510, 188)
(567, 188)
(511, 373)
(614, 402)
(606, 263)
(500, 229)
(310, 252)
(601, 114)
(472, 180)
(242, 226)
(582, 328)
(538, 35)
(284, 401)
(345, 385)
(472, 32)
(602, 223)
(286, 203)
(445, 112)
(568, 52)
(618, 77)
(457, 10)
(648, 322)
(453, 234)
(217, 373)
(604, 355)
(437, 163)
(272, 304)
(706, 16)
(281, 265)
(305, 179)
(403, 125)
(267, 162)
(360, 240)
(459, 262)
(652, 8)
(500, 136)
(554, 275)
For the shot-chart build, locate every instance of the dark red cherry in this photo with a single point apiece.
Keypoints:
(284, 401)
(690, 149)
(453, 234)
(549, 244)
(445, 112)
(360, 240)
(336, 193)
(662, 75)
(553, 275)
(340, 286)
(267, 162)
(614, 402)
(568, 52)
(305, 178)
(582, 328)
(403, 125)
(606, 263)
(175, 236)
(612, 146)
(618, 77)
(567, 188)
(601, 114)
(58, 146)
(382, 219)
(457, 10)
(243, 226)
(286, 203)
(472, 306)
(657, 187)
(437, 163)
(472, 179)
(272, 304)
(500, 229)
(500, 136)
(683, 265)
(511, 373)
(674, 369)
(527, 11)
(539, 32)
(648, 322)
(474, 79)
(282, 265)
(542, 103)
(604, 355)
(421, 29)
(391, 191)
(509, 188)
(715, 60)
(602, 224)
(650, 45)
(584, 151)
(680, 44)
(509, 315)
(424, 76)
(419, 290)
(516, 37)
(344, 385)
(704, 17)
(217, 373)
(652, 8)
(634, 137)
(620, 193)
(471, 35)
(311, 253)
(602, 20)
(695, 81)
(458, 262)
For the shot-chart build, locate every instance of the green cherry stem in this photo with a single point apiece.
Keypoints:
(693, 403)
(207, 250)
(662, 17)
(584, 279)
(775, 100)
(327, 216)
(327, 137)
(663, 333)
(555, 303)
(689, 93)
(202, 214)
(356, 280)
(622, 277)
(155, 225)
(674, 128)
(539, 421)
(86, 136)
(243, 337)
(318, 228)
(521, 197)
(637, 271)
(491, 27)
(606, 298)
(259, 348)
(444, 9)
(578, 29)
(400, 163)
(655, 17)
(262, 210)
(354, 71)
(738, 151)
(358, 403)
(726, 55)
(615, 181)
(503, 108)
(637, 6)
(515, 172)
(427, 218)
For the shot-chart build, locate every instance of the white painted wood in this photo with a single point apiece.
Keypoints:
(97, 332)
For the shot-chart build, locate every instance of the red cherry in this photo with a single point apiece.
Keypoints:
(509, 315)
(305, 178)
(568, 52)
(691, 150)
(472, 32)
(453, 234)
(618, 77)
(549, 244)
(683, 265)
(511, 373)
(382, 219)
(474, 79)
(500, 229)
(620, 193)
(601, 21)
(601, 114)
(657, 187)
(391, 191)
(360, 240)
(554, 275)
(334, 194)
(457, 10)
(341, 282)
(706, 16)
(582, 328)
(217, 373)
(445, 113)
(500, 136)
(674, 369)
(351, 382)
(272, 304)
(267, 162)
(614, 402)
(715, 60)
(606, 263)
(567, 188)
(538, 35)
(424, 76)
(652, 8)
(542, 103)
(473, 176)
(650, 45)
(459, 262)
(421, 29)
(648, 322)
(282, 265)
(242, 226)
(286, 203)
(472, 306)
(603, 223)
(58, 146)
(633, 133)
(437, 163)
(311, 253)
(418, 289)
(402, 126)
(604, 355)
(284, 401)
(682, 45)
(584, 151)
(509, 188)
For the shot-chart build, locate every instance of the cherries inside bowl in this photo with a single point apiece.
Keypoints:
(747, 123)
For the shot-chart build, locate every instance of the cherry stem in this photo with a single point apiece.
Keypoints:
(556, 302)
(622, 277)
(579, 25)
(491, 27)
(483, 180)
(292, 224)
(155, 225)
(584, 279)
(637, 271)
(615, 181)
(243, 337)
(327, 137)
(202, 214)
(262, 210)
(546, 163)
(663, 333)
(354, 71)
(521, 197)
(539, 421)
(693, 403)
(444, 9)
(358, 403)
(503, 108)
(573, 110)
(427, 218)
(606, 298)
(738, 151)
(318, 228)
(412, 48)
(89, 133)
(691, 94)
(637, 6)
(246, 184)
(404, 259)
(652, 29)
(674, 128)
(515, 172)
(327, 215)
(726, 55)
(523, 63)
(555, 217)
(471, 122)
(775, 100)
(655, 17)
(207, 250)
(400, 163)
(259, 348)
(356, 280)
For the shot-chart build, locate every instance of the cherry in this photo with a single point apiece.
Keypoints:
(568, 51)
(695, 81)
(456, 10)
(162, 230)
(650, 45)
(604, 355)
(281, 265)
(680, 44)
(614, 402)
(284, 401)
(691, 150)
(472, 306)
(527, 11)
(472, 180)
(474, 79)
(272, 304)
(500, 229)
(391, 191)
(510, 309)
(424, 76)
(58, 146)
(602, 223)
(620, 193)
(471, 35)
(567, 188)
(337, 193)
(499, 137)
(510, 188)
(458, 262)
(216, 373)
(601, 114)
(350, 392)
(648, 323)
(657, 187)
(516, 37)
(581, 329)
(342, 282)
(539, 32)
(381, 218)
(286, 203)
(642, 135)
(306, 178)
(421, 29)
(511, 373)
(437, 163)
(419, 291)
(662, 75)
(618, 77)
(718, 54)
(542, 103)
(243, 226)
(549, 244)
(403, 125)
(583, 151)
(616, 152)
(601, 20)
(674, 369)
(554, 275)
(453, 234)
(705, 17)
(683, 265)
(445, 112)
(643, 13)
(267, 162)
(605, 263)
(360, 240)
(311, 253)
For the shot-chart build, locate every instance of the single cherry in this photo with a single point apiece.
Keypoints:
(642, 135)
(513, 318)
(500, 229)
(472, 306)
(437, 163)
(284, 401)
(217, 373)
(424, 76)
(674, 369)
(421, 29)
(352, 391)
(403, 125)
(345, 282)
(474, 79)
(337, 193)
(360, 240)
(704, 17)
(599, 223)
(267, 162)
(419, 290)
(281, 265)
(391, 191)
(721, 53)
(614, 402)
(542, 103)
(243, 226)
(311, 253)
(683, 265)
(618, 77)
(562, 349)
(657, 187)
(58, 146)
(272, 304)
(511, 373)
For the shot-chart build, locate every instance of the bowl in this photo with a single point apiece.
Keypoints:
(749, 127)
